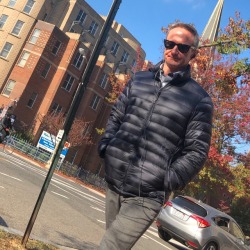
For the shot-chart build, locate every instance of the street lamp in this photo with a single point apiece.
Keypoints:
(73, 24)
(106, 57)
(83, 53)
(117, 69)
(85, 31)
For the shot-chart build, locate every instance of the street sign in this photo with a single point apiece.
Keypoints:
(47, 142)
(59, 135)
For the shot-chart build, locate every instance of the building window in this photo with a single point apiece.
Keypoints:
(104, 80)
(106, 40)
(32, 100)
(3, 20)
(114, 48)
(81, 16)
(24, 58)
(125, 56)
(93, 28)
(95, 101)
(56, 47)
(133, 64)
(45, 17)
(78, 60)
(6, 50)
(9, 87)
(28, 6)
(68, 83)
(35, 35)
(56, 108)
(12, 3)
(16, 30)
(46, 70)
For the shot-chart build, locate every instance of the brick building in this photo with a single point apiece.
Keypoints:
(41, 64)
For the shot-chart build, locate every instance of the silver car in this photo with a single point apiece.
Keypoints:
(199, 226)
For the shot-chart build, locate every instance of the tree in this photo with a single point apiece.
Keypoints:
(52, 122)
(117, 84)
(227, 81)
(240, 211)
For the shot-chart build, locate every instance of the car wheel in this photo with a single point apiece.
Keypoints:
(211, 246)
(163, 235)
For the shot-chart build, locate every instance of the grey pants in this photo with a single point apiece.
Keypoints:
(126, 220)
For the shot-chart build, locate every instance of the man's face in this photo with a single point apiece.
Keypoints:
(176, 60)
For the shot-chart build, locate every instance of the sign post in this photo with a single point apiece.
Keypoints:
(72, 112)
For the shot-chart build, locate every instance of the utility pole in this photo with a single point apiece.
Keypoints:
(72, 112)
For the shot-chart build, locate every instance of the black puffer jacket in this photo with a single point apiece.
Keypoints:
(157, 139)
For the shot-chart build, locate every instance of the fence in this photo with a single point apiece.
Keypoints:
(82, 174)
(30, 150)
(66, 167)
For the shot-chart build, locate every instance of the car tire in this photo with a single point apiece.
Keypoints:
(211, 246)
(164, 235)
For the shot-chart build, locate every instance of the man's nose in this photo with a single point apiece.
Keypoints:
(175, 49)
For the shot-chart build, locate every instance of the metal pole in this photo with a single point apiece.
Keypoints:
(72, 112)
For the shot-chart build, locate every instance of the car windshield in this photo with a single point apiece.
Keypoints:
(189, 205)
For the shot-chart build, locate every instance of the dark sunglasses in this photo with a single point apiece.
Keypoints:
(183, 48)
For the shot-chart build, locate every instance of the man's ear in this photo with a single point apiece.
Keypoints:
(195, 53)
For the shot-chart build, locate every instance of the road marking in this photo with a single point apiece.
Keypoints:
(153, 228)
(179, 244)
(158, 242)
(11, 176)
(146, 236)
(60, 195)
(78, 192)
(151, 232)
(101, 221)
(98, 209)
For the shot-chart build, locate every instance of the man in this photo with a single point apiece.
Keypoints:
(6, 126)
(157, 139)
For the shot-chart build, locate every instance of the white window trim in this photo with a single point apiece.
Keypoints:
(23, 59)
(9, 86)
(16, 28)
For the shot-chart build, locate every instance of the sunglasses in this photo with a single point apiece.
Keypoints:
(183, 48)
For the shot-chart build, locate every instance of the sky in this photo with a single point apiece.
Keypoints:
(145, 18)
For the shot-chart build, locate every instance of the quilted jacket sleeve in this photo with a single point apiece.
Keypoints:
(194, 151)
(115, 120)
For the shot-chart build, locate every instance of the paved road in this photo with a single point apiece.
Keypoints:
(71, 214)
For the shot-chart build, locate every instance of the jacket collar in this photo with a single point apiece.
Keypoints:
(179, 75)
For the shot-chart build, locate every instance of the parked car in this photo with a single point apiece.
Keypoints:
(199, 226)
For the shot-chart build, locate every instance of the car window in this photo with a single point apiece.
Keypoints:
(236, 231)
(191, 206)
(222, 222)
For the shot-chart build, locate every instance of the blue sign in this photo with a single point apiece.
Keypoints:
(48, 141)
(64, 152)
(46, 144)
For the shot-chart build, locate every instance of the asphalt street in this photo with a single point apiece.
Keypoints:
(71, 215)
